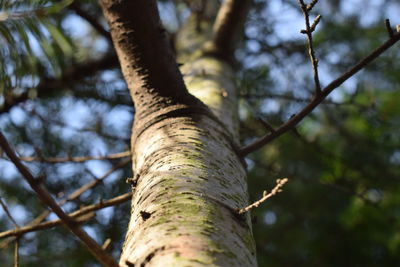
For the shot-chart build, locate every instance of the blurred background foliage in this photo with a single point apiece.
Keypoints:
(62, 95)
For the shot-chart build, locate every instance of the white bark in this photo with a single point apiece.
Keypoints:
(191, 181)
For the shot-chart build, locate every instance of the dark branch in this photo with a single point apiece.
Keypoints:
(75, 194)
(146, 57)
(389, 28)
(90, 19)
(48, 200)
(76, 159)
(16, 253)
(290, 124)
(266, 124)
(8, 213)
(77, 215)
(70, 76)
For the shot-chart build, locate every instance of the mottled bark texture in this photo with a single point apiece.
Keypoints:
(188, 178)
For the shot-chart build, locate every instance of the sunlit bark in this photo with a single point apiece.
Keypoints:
(189, 180)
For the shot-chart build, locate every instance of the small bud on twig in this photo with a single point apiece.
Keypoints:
(277, 189)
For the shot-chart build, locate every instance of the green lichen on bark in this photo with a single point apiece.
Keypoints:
(212, 81)
(191, 192)
(190, 179)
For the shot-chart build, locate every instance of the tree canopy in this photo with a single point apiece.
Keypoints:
(66, 110)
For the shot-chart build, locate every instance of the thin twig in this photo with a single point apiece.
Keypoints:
(77, 215)
(16, 253)
(308, 31)
(74, 195)
(74, 128)
(106, 244)
(94, 182)
(350, 102)
(315, 23)
(16, 248)
(266, 124)
(8, 213)
(76, 159)
(70, 76)
(48, 200)
(78, 220)
(311, 5)
(290, 124)
(277, 189)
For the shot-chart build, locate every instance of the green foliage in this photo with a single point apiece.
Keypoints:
(341, 205)
(33, 44)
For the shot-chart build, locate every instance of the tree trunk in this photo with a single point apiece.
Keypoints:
(188, 180)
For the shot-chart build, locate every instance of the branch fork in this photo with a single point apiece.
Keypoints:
(321, 94)
(277, 189)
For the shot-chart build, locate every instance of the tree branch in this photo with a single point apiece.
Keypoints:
(227, 27)
(50, 120)
(70, 76)
(90, 19)
(8, 213)
(146, 57)
(74, 195)
(76, 215)
(290, 124)
(309, 31)
(389, 28)
(16, 253)
(48, 200)
(277, 189)
(76, 159)
(292, 98)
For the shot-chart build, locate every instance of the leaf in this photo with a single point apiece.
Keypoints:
(30, 37)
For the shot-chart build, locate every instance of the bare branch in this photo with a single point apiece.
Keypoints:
(42, 226)
(51, 120)
(106, 244)
(94, 182)
(266, 124)
(146, 56)
(74, 195)
(90, 19)
(16, 253)
(70, 76)
(77, 215)
(290, 124)
(311, 5)
(8, 213)
(308, 31)
(315, 23)
(289, 97)
(76, 159)
(227, 26)
(48, 200)
(277, 189)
